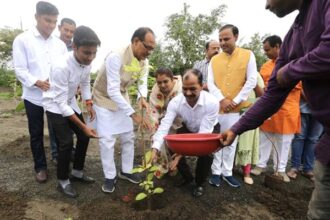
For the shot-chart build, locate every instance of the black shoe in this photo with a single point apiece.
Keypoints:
(83, 179)
(67, 190)
(109, 185)
(132, 177)
(198, 191)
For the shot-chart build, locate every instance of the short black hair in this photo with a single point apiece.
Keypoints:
(207, 45)
(195, 72)
(233, 28)
(46, 8)
(85, 36)
(140, 33)
(273, 40)
(164, 71)
(68, 21)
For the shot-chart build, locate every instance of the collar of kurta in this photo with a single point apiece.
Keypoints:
(36, 33)
(75, 61)
(199, 101)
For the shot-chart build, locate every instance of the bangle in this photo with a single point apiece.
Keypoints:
(89, 102)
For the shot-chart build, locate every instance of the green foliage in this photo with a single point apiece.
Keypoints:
(255, 44)
(20, 107)
(140, 196)
(185, 39)
(148, 184)
(7, 77)
(7, 37)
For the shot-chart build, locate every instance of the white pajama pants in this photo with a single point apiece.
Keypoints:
(223, 160)
(107, 139)
(282, 143)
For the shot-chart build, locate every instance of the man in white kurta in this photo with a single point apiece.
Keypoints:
(114, 113)
(67, 74)
(232, 77)
(198, 110)
(34, 51)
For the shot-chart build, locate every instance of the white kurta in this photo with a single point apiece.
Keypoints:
(119, 121)
(33, 57)
(224, 159)
(65, 78)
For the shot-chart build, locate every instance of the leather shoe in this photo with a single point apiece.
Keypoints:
(198, 191)
(67, 190)
(83, 179)
(41, 176)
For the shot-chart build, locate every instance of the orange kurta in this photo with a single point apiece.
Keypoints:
(287, 119)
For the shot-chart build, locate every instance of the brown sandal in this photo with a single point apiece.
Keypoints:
(293, 173)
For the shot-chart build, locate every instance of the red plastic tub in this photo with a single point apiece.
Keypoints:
(193, 144)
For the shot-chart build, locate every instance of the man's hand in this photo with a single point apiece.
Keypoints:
(154, 156)
(90, 111)
(142, 103)
(144, 122)
(89, 132)
(174, 163)
(227, 105)
(227, 138)
(43, 85)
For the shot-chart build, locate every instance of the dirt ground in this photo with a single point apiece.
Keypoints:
(21, 197)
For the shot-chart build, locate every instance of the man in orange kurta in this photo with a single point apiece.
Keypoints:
(282, 126)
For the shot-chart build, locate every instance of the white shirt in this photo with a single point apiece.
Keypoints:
(199, 119)
(65, 77)
(33, 56)
(113, 66)
(250, 83)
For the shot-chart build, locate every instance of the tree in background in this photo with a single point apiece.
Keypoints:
(7, 37)
(185, 39)
(255, 44)
(7, 76)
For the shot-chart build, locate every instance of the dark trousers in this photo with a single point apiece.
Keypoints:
(63, 128)
(35, 115)
(203, 165)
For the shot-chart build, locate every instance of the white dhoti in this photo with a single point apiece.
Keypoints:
(282, 143)
(109, 125)
(224, 159)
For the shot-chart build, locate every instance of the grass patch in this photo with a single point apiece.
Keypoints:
(6, 95)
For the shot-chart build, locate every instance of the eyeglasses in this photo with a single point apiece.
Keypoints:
(148, 47)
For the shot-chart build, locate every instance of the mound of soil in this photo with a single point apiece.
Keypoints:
(21, 197)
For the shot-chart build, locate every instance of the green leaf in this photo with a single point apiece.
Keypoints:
(150, 176)
(138, 170)
(153, 168)
(147, 156)
(148, 166)
(20, 106)
(158, 190)
(134, 67)
(140, 196)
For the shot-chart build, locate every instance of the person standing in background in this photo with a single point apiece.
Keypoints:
(280, 128)
(232, 75)
(211, 48)
(66, 29)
